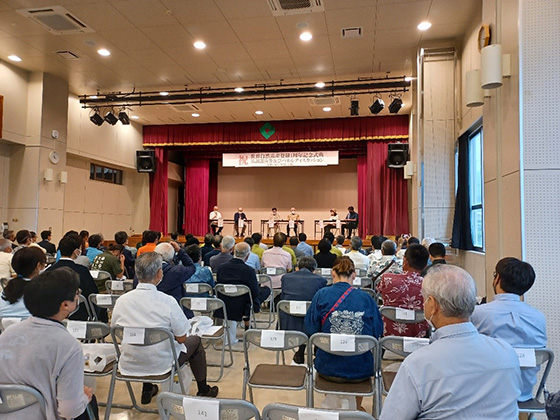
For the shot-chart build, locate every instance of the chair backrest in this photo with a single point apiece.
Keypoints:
(341, 345)
(100, 275)
(82, 300)
(88, 330)
(172, 406)
(406, 316)
(198, 288)
(293, 307)
(274, 340)
(17, 397)
(277, 411)
(151, 336)
(272, 271)
(325, 272)
(402, 346)
(362, 282)
(7, 321)
(264, 279)
(203, 304)
(361, 271)
(542, 356)
(103, 300)
(232, 290)
(3, 282)
(118, 287)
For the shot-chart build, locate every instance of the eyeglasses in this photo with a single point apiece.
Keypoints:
(78, 292)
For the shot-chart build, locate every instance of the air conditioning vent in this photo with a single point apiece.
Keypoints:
(295, 7)
(185, 108)
(351, 33)
(67, 55)
(326, 101)
(56, 19)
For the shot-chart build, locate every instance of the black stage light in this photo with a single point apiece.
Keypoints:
(395, 106)
(123, 118)
(354, 107)
(96, 118)
(110, 118)
(377, 106)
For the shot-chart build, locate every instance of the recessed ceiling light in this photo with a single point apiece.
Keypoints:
(93, 97)
(103, 52)
(320, 84)
(327, 108)
(14, 58)
(199, 45)
(134, 117)
(424, 25)
(164, 93)
(408, 79)
(306, 36)
(259, 112)
(194, 114)
(239, 89)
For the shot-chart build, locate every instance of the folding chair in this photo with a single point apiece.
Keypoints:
(198, 289)
(151, 336)
(8, 321)
(376, 296)
(405, 316)
(361, 270)
(326, 273)
(362, 282)
(118, 287)
(274, 376)
(267, 281)
(172, 406)
(297, 308)
(234, 291)
(277, 411)
(206, 306)
(365, 388)
(532, 406)
(99, 277)
(83, 301)
(103, 300)
(17, 397)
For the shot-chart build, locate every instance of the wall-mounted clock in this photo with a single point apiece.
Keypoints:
(54, 157)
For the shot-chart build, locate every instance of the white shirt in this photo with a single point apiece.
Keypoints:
(215, 215)
(360, 260)
(6, 270)
(147, 307)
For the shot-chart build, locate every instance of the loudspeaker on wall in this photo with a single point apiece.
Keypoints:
(397, 155)
(146, 161)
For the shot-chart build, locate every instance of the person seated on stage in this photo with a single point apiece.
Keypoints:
(304, 246)
(258, 247)
(292, 217)
(207, 247)
(336, 251)
(201, 274)
(509, 318)
(235, 271)
(339, 244)
(95, 245)
(388, 263)
(301, 285)
(359, 259)
(294, 242)
(236, 218)
(325, 258)
(331, 224)
(404, 291)
(217, 242)
(6, 255)
(28, 263)
(41, 353)
(274, 217)
(46, 243)
(277, 257)
(253, 260)
(351, 222)
(228, 242)
(343, 309)
(121, 238)
(147, 307)
(214, 217)
(112, 261)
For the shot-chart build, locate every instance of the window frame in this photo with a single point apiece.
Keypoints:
(106, 174)
(476, 170)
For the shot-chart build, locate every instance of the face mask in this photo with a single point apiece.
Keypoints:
(431, 324)
(293, 212)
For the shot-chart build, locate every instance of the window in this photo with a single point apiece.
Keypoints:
(476, 191)
(105, 174)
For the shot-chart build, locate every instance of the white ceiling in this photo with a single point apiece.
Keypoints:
(151, 45)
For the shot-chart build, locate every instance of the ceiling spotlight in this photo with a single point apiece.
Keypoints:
(110, 118)
(259, 112)
(134, 117)
(306, 36)
(199, 45)
(104, 52)
(354, 107)
(194, 114)
(424, 25)
(123, 118)
(396, 105)
(320, 84)
(96, 118)
(14, 58)
(239, 89)
(377, 106)
(164, 93)
(327, 109)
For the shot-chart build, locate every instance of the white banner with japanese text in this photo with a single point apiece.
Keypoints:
(248, 160)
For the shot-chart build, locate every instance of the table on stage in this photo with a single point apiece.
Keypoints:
(264, 225)
(248, 223)
(319, 226)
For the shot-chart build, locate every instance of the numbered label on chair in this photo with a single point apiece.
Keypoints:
(298, 308)
(117, 285)
(272, 338)
(270, 270)
(77, 329)
(104, 300)
(342, 342)
(228, 288)
(411, 344)
(527, 357)
(198, 409)
(192, 288)
(198, 304)
(404, 314)
(94, 273)
(357, 281)
(133, 335)
(325, 271)
(310, 414)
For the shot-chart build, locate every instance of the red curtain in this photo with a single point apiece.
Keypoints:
(213, 185)
(158, 193)
(197, 181)
(382, 194)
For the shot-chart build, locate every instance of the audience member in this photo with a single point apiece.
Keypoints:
(293, 245)
(121, 238)
(95, 244)
(509, 318)
(288, 249)
(10, 236)
(462, 374)
(359, 259)
(201, 274)
(330, 237)
(23, 238)
(217, 242)
(253, 260)
(28, 263)
(404, 291)
(149, 240)
(84, 234)
(325, 258)
(437, 256)
(207, 247)
(112, 261)
(33, 237)
(148, 307)
(41, 353)
(239, 218)
(300, 285)
(46, 243)
(6, 255)
(257, 248)
(215, 217)
(351, 222)
(387, 263)
(339, 244)
(193, 240)
(304, 246)
(228, 242)
(376, 242)
(175, 237)
(277, 257)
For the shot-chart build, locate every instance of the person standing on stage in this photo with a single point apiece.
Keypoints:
(214, 218)
(236, 222)
(292, 217)
(274, 217)
(351, 222)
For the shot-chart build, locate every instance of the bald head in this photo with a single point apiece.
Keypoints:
(242, 250)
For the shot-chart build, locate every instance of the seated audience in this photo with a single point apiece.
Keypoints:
(300, 285)
(207, 247)
(375, 251)
(462, 374)
(293, 245)
(23, 239)
(228, 242)
(33, 237)
(112, 261)
(41, 353)
(509, 318)
(336, 251)
(289, 250)
(437, 256)
(355, 254)
(257, 248)
(404, 291)
(121, 238)
(6, 255)
(253, 260)
(95, 245)
(387, 263)
(201, 274)
(28, 263)
(46, 243)
(343, 309)
(149, 242)
(10, 236)
(304, 246)
(147, 307)
(84, 234)
(278, 257)
(217, 242)
(339, 244)
(325, 258)
(192, 241)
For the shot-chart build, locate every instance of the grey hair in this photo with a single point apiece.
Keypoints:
(356, 243)
(453, 289)
(147, 266)
(242, 249)
(5, 243)
(228, 242)
(388, 247)
(307, 262)
(166, 251)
